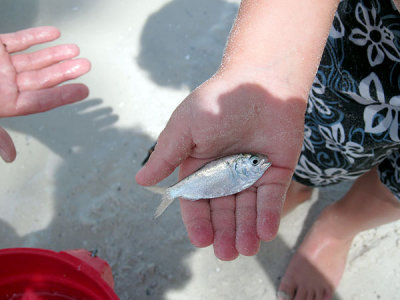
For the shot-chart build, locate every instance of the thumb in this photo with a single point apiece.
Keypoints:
(174, 145)
(7, 148)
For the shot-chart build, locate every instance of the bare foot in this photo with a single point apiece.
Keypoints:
(316, 268)
(318, 265)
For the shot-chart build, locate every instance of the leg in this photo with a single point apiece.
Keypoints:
(317, 266)
(296, 194)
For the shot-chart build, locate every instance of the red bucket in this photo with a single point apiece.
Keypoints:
(38, 274)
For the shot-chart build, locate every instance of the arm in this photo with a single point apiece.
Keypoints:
(254, 103)
(281, 39)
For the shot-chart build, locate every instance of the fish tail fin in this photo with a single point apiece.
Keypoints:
(156, 189)
(166, 201)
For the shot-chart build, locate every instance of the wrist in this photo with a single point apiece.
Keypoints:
(280, 84)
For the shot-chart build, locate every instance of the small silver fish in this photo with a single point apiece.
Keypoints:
(222, 177)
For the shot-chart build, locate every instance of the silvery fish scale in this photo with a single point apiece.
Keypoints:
(222, 177)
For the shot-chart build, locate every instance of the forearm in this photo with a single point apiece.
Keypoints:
(280, 40)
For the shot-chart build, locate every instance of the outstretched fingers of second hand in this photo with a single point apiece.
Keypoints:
(21, 40)
(53, 75)
(7, 148)
(30, 102)
(44, 58)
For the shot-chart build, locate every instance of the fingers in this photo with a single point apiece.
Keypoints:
(269, 204)
(197, 219)
(53, 75)
(247, 240)
(270, 199)
(30, 102)
(21, 40)
(196, 214)
(43, 58)
(227, 223)
(236, 224)
(7, 148)
(211, 221)
(224, 225)
(174, 145)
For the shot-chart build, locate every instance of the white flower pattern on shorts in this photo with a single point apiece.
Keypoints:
(314, 99)
(378, 37)
(352, 117)
(335, 140)
(317, 176)
(379, 116)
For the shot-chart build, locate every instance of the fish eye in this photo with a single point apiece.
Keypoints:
(255, 161)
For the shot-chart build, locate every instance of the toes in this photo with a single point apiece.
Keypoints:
(327, 293)
(287, 289)
(281, 295)
(320, 294)
(293, 291)
(301, 294)
(311, 294)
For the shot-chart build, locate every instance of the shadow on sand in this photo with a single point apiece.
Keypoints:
(97, 204)
(175, 41)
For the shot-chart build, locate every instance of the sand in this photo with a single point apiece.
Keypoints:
(72, 185)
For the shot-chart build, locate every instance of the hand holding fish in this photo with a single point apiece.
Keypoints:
(227, 116)
(255, 103)
(28, 81)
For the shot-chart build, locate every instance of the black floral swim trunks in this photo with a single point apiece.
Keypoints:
(352, 117)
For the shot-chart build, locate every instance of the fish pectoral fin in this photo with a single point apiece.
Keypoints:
(165, 202)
